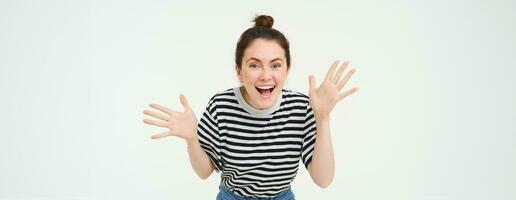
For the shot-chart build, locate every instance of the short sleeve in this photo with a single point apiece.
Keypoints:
(308, 137)
(208, 133)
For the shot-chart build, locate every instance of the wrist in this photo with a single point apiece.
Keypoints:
(192, 141)
(321, 117)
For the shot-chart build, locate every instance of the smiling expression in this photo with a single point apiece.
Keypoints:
(263, 72)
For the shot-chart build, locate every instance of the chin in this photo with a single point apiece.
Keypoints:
(265, 102)
(265, 105)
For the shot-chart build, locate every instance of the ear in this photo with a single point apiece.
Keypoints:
(239, 73)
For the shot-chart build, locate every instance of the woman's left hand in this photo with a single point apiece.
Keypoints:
(323, 99)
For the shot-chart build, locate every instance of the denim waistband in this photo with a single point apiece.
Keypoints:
(226, 194)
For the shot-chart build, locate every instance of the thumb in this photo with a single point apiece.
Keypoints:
(311, 80)
(183, 100)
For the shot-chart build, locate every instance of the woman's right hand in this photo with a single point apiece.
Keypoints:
(180, 124)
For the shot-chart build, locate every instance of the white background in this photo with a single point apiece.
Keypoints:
(433, 119)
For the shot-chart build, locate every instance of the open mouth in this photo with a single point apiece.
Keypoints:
(265, 91)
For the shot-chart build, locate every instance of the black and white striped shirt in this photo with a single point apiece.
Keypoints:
(257, 151)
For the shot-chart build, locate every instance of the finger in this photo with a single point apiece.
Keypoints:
(156, 115)
(160, 135)
(163, 109)
(347, 93)
(330, 72)
(155, 122)
(311, 81)
(337, 76)
(183, 100)
(345, 79)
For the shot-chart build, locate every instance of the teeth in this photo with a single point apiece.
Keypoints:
(265, 87)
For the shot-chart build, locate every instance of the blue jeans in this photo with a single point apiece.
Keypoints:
(225, 194)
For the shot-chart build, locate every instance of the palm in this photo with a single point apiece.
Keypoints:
(323, 99)
(180, 124)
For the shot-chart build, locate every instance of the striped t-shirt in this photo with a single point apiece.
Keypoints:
(257, 151)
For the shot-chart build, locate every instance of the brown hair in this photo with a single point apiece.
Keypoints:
(262, 29)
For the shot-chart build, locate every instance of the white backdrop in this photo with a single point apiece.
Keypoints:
(433, 119)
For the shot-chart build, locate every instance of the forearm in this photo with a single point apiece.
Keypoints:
(199, 160)
(322, 167)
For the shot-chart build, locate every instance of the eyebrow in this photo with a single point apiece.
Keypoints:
(256, 59)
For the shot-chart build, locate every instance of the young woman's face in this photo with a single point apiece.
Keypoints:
(263, 73)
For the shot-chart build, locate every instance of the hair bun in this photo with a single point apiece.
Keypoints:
(264, 21)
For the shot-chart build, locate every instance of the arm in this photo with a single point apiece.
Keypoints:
(199, 159)
(322, 167)
(183, 125)
(323, 100)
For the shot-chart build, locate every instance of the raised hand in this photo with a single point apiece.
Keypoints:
(180, 124)
(323, 99)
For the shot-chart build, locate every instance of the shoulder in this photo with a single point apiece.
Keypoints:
(222, 95)
(294, 101)
(226, 95)
(290, 95)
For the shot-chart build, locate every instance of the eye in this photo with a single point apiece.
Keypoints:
(276, 66)
(253, 65)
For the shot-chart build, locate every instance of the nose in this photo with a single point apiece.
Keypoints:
(265, 74)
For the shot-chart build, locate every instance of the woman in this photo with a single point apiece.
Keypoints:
(255, 134)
